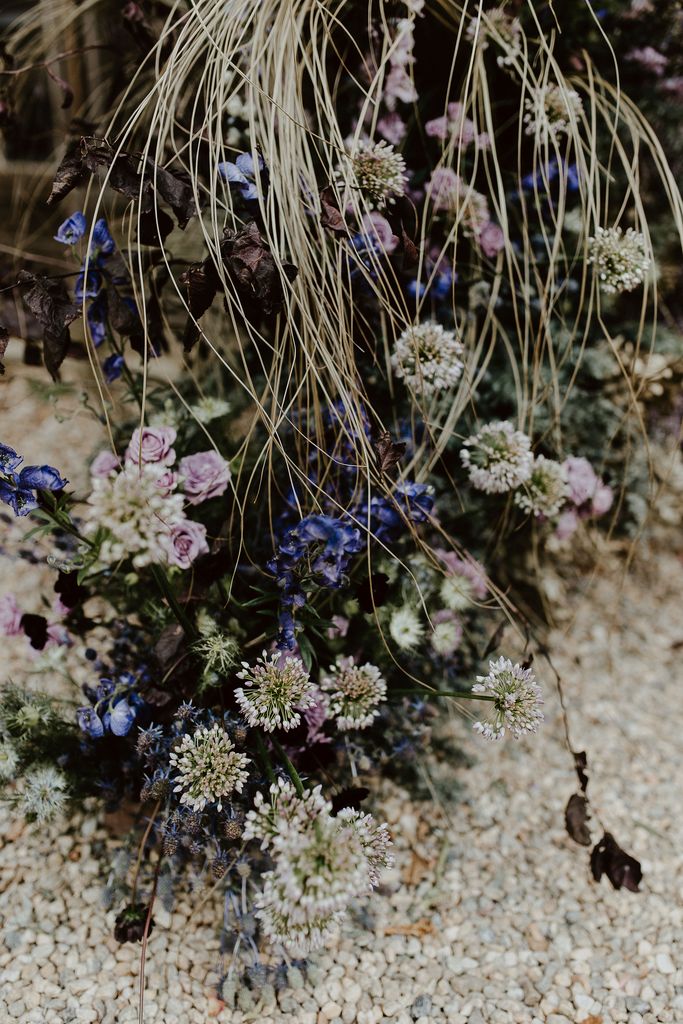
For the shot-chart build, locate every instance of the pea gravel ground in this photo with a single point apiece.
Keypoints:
(489, 916)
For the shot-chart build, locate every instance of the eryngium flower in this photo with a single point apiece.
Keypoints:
(136, 513)
(550, 109)
(9, 761)
(517, 700)
(43, 795)
(405, 628)
(354, 691)
(498, 458)
(320, 864)
(620, 259)
(276, 689)
(379, 172)
(217, 650)
(208, 768)
(427, 357)
(546, 490)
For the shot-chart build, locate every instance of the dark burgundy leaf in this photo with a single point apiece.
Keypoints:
(67, 91)
(154, 227)
(410, 250)
(123, 175)
(528, 662)
(253, 269)
(70, 591)
(50, 304)
(608, 858)
(576, 815)
(351, 797)
(200, 282)
(68, 176)
(168, 645)
(130, 923)
(373, 592)
(123, 315)
(35, 627)
(4, 342)
(330, 215)
(388, 452)
(581, 767)
(175, 190)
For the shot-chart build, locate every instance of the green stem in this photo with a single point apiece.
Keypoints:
(166, 590)
(291, 770)
(461, 694)
(263, 754)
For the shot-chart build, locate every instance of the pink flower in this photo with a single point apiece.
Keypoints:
(152, 444)
(10, 616)
(469, 568)
(105, 463)
(483, 140)
(339, 627)
(398, 85)
(602, 499)
(315, 717)
(581, 478)
(392, 127)
(378, 229)
(437, 128)
(185, 543)
(491, 239)
(650, 59)
(205, 475)
(567, 524)
(167, 481)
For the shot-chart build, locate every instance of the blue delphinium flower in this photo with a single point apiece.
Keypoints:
(102, 243)
(113, 367)
(73, 228)
(120, 719)
(114, 706)
(97, 319)
(90, 722)
(390, 515)
(243, 173)
(18, 489)
(41, 478)
(87, 287)
(9, 460)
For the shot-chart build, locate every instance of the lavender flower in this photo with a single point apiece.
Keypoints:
(184, 543)
(151, 445)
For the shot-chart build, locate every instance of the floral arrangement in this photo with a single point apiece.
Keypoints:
(387, 305)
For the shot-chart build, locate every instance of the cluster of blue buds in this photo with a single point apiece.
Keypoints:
(390, 515)
(115, 705)
(19, 489)
(244, 174)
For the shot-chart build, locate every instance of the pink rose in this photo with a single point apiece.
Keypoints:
(185, 543)
(152, 444)
(167, 481)
(602, 499)
(10, 616)
(105, 463)
(491, 239)
(378, 229)
(205, 475)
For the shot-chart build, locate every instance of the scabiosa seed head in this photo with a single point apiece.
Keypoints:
(620, 259)
(207, 767)
(498, 458)
(219, 651)
(43, 796)
(447, 633)
(353, 693)
(427, 357)
(550, 109)
(379, 172)
(546, 490)
(406, 628)
(516, 707)
(276, 689)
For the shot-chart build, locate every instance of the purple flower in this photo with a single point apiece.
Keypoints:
(185, 543)
(205, 475)
(567, 524)
(104, 464)
(113, 367)
(120, 718)
(9, 460)
(21, 502)
(97, 319)
(90, 722)
(243, 173)
(87, 286)
(491, 239)
(152, 444)
(40, 478)
(102, 242)
(602, 499)
(377, 230)
(73, 228)
(392, 127)
(10, 616)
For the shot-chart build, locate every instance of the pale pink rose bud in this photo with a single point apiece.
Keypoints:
(185, 543)
(104, 464)
(204, 475)
(603, 499)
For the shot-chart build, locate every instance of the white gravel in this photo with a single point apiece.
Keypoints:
(490, 915)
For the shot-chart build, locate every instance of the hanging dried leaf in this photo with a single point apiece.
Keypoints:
(388, 452)
(50, 304)
(576, 815)
(410, 250)
(35, 628)
(608, 858)
(330, 215)
(67, 91)
(201, 283)
(68, 176)
(154, 227)
(123, 176)
(581, 767)
(175, 190)
(4, 342)
(168, 645)
(351, 797)
(253, 269)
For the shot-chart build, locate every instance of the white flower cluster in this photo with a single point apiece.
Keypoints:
(498, 458)
(405, 628)
(619, 257)
(137, 513)
(320, 863)
(353, 693)
(208, 767)
(546, 490)
(550, 109)
(275, 690)
(43, 795)
(503, 30)
(209, 408)
(516, 703)
(379, 172)
(427, 357)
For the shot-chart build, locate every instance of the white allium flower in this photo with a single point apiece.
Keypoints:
(138, 515)
(498, 458)
(427, 357)
(208, 766)
(517, 700)
(353, 693)
(620, 259)
(546, 490)
(276, 689)
(503, 30)
(379, 172)
(320, 864)
(549, 110)
(209, 408)
(9, 761)
(405, 628)
(43, 795)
